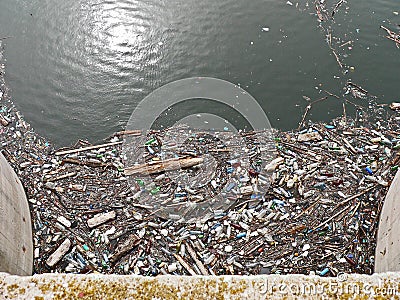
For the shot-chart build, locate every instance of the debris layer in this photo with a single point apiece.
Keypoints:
(319, 215)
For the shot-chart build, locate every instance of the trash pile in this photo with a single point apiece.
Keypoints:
(320, 213)
(310, 204)
(191, 174)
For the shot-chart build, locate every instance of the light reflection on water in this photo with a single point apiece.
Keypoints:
(79, 68)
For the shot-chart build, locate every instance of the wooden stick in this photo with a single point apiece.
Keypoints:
(61, 176)
(304, 116)
(185, 264)
(357, 195)
(354, 210)
(128, 132)
(220, 150)
(308, 109)
(344, 44)
(199, 264)
(337, 59)
(330, 94)
(337, 7)
(391, 33)
(64, 152)
(318, 100)
(166, 165)
(344, 202)
(351, 148)
(128, 244)
(76, 161)
(393, 39)
(331, 218)
(308, 208)
(357, 86)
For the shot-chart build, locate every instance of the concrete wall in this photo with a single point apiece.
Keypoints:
(62, 286)
(387, 254)
(16, 247)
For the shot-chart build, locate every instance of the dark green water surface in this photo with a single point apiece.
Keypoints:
(78, 68)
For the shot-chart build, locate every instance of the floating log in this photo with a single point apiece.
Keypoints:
(166, 165)
(64, 221)
(311, 136)
(101, 218)
(395, 106)
(128, 132)
(59, 253)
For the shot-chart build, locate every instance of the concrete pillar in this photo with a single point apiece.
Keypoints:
(387, 254)
(16, 247)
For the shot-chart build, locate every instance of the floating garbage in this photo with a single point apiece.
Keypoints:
(59, 253)
(312, 206)
(393, 36)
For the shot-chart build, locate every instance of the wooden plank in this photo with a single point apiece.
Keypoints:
(166, 165)
(59, 253)
(101, 219)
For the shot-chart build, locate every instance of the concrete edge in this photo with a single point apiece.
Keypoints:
(97, 286)
(387, 253)
(16, 240)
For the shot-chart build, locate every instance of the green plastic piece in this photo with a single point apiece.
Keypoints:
(149, 142)
(155, 190)
(140, 182)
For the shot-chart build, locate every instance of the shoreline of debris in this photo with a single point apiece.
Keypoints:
(319, 215)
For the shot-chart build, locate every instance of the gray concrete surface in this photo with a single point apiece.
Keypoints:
(16, 246)
(387, 254)
(96, 286)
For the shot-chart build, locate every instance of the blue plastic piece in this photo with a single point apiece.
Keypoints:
(324, 271)
(240, 235)
(230, 170)
(230, 186)
(215, 225)
(321, 186)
